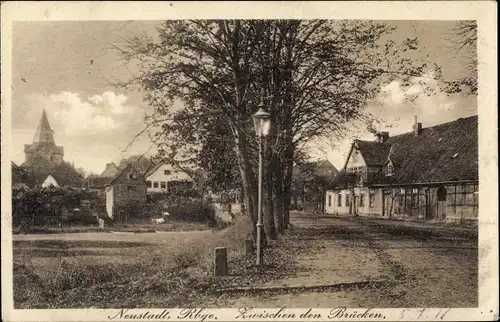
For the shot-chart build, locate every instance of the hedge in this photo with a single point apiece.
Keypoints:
(41, 206)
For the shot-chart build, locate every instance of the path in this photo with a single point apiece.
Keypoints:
(424, 265)
(172, 237)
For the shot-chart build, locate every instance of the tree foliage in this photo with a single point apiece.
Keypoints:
(464, 38)
(205, 79)
(64, 173)
(139, 161)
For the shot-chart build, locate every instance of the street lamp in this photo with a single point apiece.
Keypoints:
(262, 122)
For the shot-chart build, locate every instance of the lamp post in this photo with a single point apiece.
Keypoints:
(262, 122)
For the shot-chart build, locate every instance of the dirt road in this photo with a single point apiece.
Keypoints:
(424, 265)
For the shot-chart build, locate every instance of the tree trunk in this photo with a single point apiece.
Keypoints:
(279, 206)
(242, 200)
(268, 204)
(248, 181)
(287, 184)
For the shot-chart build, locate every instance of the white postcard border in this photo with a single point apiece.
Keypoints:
(482, 11)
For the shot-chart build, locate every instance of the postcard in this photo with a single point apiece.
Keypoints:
(249, 161)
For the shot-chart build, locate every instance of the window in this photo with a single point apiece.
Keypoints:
(329, 200)
(462, 195)
(347, 199)
(414, 198)
(131, 188)
(163, 185)
(339, 200)
(390, 169)
(362, 200)
(155, 184)
(450, 196)
(166, 172)
(149, 184)
(401, 202)
(441, 194)
(371, 200)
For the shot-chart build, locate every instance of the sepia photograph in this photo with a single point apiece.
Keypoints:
(247, 164)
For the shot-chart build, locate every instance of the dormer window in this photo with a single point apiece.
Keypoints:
(390, 169)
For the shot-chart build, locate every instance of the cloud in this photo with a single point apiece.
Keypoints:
(396, 105)
(423, 95)
(75, 115)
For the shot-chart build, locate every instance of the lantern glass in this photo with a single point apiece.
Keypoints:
(262, 121)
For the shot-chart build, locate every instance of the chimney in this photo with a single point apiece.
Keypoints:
(382, 137)
(417, 127)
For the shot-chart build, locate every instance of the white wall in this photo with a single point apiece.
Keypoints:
(109, 200)
(356, 159)
(334, 207)
(159, 176)
(49, 181)
(343, 209)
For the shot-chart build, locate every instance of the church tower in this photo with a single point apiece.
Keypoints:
(43, 145)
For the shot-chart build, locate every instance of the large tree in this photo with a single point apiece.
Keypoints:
(463, 39)
(314, 75)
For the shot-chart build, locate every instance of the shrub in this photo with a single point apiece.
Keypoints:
(129, 210)
(192, 211)
(45, 205)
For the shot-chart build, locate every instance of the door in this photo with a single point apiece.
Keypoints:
(441, 203)
(386, 204)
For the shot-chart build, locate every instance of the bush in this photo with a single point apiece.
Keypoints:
(129, 210)
(41, 206)
(192, 211)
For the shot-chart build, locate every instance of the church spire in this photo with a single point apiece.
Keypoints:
(44, 133)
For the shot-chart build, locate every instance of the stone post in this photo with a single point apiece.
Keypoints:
(220, 261)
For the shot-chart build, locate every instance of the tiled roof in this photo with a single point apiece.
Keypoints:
(98, 182)
(110, 171)
(440, 153)
(444, 152)
(322, 168)
(374, 153)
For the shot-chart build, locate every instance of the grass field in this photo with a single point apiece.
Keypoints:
(424, 265)
(114, 269)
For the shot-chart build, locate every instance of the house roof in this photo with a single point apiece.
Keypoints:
(440, 153)
(122, 171)
(110, 171)
(374, 153)
(99, 182)
(444, 152)
(19, 174)
(323, 168)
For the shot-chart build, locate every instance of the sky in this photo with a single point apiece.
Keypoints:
(69, 69)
